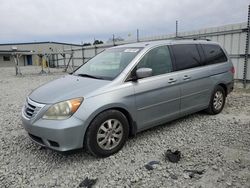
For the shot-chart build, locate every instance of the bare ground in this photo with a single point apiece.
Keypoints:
(219, 145)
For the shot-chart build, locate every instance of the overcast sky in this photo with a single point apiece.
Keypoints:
(83, 20)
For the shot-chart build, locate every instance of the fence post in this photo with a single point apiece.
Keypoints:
(82, 55)
(64, 60)
(113, 39)
(73, 65)
(246, 50)
(137, 35)
(57, 63)
(176, 28)
(95, 50)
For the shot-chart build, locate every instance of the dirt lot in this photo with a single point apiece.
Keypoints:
(219, 146)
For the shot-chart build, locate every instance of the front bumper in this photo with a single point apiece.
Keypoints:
(60, 135)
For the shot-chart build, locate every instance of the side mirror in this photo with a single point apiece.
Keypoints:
(143, 72)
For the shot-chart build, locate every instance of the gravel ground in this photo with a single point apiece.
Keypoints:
(219, 145)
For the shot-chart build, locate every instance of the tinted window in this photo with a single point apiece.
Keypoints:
(213, 54)
(186, 56)
(158, 59)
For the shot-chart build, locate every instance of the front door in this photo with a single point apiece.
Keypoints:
(157, 97)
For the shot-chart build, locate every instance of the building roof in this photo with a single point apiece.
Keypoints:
(46, 42)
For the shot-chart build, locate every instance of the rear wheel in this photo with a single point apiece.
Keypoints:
(217, 101)
(107, 133)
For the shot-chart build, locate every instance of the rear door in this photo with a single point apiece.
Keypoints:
(157, 97)
(195, 82)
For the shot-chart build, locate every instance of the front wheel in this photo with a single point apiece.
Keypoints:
(107, 133)
(217, 101)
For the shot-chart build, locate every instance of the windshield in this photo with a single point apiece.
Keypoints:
(108, 64)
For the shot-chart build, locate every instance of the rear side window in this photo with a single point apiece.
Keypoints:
(186, 56)
(213, 53)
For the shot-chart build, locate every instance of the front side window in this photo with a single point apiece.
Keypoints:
(214, 54)
(108, 64)
(158, 59)
(186, 56)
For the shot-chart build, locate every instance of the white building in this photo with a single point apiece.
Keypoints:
(30, 58)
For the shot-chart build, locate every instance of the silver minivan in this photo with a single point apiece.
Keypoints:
(127, 89)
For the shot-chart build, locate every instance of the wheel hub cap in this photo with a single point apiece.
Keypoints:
(110, 134)
(218, 100)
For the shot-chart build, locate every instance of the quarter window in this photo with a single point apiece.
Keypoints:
(158, 59)
(214, 54)
(186, 56)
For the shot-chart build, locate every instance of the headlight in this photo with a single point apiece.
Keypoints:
(63, 110)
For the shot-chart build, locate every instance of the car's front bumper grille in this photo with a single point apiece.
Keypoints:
(36, 139)
(31, 108)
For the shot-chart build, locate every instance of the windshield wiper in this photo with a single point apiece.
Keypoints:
(89, 76)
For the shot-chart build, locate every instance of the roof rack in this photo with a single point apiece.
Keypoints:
(201, 39)
(191, 38)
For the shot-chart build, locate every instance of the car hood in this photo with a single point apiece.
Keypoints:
(66, 87)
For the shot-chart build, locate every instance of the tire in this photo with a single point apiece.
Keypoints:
(107, 133)
(217, 101)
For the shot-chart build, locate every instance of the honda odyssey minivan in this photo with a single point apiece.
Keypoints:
(127, 89)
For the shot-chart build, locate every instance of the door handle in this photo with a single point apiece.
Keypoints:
(186, 77)
(171, 80)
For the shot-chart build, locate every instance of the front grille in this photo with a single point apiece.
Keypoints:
(31, 108)
(53, 143)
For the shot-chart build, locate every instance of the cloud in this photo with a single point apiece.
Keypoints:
(76, 20)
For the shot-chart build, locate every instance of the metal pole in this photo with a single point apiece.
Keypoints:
(95, 50)
(113, 39)
(82, 52)
(246, 50)
(57, 63)
(53, 60)
(73, 65)
(16, 63)
(82, 55)
(18, 71)
(64, 60)
(47, 60)
(41, 61)
(137, 35)
(176, 28)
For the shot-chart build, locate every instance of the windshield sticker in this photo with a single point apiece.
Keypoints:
(133, 50)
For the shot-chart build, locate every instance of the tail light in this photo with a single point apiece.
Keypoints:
(232, 70)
